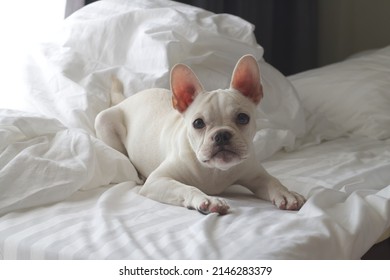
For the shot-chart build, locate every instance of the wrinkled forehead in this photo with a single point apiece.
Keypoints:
(220, 103)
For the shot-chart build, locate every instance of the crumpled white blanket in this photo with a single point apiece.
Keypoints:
(42, 161)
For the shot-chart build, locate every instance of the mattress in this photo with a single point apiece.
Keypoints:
(67, 195)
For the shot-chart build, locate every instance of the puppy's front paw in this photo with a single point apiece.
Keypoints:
(207, 205)
(213, 205)
(287, 200)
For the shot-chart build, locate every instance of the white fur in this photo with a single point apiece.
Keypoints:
(184, 165)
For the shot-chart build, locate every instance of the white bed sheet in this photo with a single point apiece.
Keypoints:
(65, 194)
(347, 211)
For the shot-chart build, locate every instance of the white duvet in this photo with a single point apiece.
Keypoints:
(42, 161)
(70, 190)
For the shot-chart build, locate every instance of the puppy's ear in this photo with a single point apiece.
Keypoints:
(185, 86)
(246, 78)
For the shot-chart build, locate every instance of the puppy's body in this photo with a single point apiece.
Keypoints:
(187, 169)
(199, 149)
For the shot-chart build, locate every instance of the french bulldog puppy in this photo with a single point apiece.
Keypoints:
(191, 144)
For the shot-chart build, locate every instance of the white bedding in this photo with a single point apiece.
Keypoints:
(65, 194)
(348, 209)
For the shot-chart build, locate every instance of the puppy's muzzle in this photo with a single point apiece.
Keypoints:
(222, 138)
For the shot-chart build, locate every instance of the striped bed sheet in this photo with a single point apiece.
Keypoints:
(348, 209)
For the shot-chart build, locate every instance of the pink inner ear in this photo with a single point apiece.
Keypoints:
(183, 97)
(185, 86)
(246, 78)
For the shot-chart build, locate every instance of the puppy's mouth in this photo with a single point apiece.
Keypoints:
(223, 158)
(224, 154)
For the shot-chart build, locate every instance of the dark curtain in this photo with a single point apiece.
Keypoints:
(74, 5)
(286, 29)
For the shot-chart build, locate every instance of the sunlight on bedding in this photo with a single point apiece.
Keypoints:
(23, 23)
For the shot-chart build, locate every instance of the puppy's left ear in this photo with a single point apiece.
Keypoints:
(184, 86)
(246, 78)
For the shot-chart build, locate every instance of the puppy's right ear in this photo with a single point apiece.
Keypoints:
(184, 86)
(246, 78)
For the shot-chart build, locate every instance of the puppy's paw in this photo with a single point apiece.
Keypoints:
(287, 200)
(207, 205)
(213, 205)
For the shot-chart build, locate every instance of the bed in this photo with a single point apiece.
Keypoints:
(64, 194)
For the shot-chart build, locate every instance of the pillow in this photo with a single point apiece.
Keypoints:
(354, 94)
(140, 41)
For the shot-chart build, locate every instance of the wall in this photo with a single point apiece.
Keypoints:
(349, 26)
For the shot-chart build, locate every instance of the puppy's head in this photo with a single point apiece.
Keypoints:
(221, 123)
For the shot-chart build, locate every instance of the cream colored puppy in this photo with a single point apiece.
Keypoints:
(191, 144)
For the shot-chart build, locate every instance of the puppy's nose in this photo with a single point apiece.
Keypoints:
(222, 138)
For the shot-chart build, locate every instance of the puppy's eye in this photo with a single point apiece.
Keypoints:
(198, 124)
(243, 118)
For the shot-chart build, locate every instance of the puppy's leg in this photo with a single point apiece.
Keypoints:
(266, 187)
(110, 129)
(170, 191)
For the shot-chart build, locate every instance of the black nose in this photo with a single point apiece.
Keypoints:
(222, 138)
